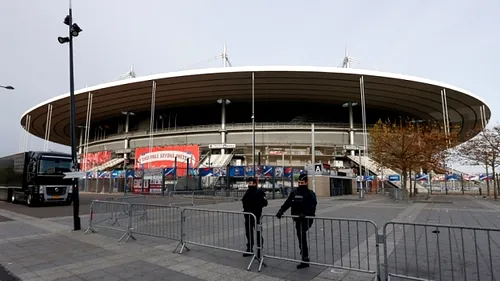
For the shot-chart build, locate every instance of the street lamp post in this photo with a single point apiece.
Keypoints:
(7, 87)
(74, 30)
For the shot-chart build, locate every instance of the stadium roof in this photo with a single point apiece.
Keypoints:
(411, 95)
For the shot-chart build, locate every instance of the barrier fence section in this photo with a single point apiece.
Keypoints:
(440, 252)
(224, 230)
(339, 243)
(398, 194)
(109, 215)
(155, 220)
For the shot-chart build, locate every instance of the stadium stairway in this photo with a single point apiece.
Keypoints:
(216, 160)
(375, 168)
(110, 164)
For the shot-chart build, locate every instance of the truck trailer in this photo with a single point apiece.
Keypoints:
(36, 178)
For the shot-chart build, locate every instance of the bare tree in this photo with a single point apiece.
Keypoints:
(483, 150)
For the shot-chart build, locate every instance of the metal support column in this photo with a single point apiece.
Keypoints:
(48, 125)
(313, 158)
(80, 146)
(365, 131)
(152, 119)
(446, 124)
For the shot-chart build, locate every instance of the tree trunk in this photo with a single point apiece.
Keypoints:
(487, 182)
(404, 176)
(495, 193)
(409, 175)
(415, 190)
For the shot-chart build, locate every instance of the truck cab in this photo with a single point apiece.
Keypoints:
(43, 179)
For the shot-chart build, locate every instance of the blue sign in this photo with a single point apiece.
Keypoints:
(452, 177)
(369, 178)
(206, 172)
(169, 172)
(129, 174)
(236, 171)
(267, 171)
(422, 177)
(288, 172)
(117, 174)
(394, 178)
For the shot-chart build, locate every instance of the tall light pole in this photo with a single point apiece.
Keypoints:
(74, 30)
(7, 87)
(253, 122)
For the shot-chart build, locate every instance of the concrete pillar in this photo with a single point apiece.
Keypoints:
(351, 127)
(223, 125)
(126, 141)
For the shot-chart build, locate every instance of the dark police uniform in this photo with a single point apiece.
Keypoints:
(253, 202)
(303, 203)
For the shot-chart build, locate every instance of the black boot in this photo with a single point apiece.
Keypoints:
(303, 264)
(247, 254)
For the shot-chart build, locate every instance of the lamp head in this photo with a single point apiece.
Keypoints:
(63, 40)
(75, 30)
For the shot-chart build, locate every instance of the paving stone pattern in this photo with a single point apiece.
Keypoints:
(449, 253)
(33, 252)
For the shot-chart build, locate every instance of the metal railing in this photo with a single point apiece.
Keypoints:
(417, 251)
(398, 194)
(224, 230)
(411, 251)
(230, 127)
(339, 243)
(155, 220)
(109, 215)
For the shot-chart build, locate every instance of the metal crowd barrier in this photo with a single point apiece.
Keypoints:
(109, 215)
(338, 243)
(440, 252)
(398, 194)
(162, 221)
(224, 230)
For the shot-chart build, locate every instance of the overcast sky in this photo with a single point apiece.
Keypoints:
(453, 41)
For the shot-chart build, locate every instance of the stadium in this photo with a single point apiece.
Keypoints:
(204, 117)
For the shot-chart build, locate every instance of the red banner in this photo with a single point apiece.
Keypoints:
(91, 160)
(164, 157)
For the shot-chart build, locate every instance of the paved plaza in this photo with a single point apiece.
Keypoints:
(46, 248)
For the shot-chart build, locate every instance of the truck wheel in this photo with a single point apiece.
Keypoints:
(13, 197)
(29, 200)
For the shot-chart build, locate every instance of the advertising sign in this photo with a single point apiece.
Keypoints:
(278, 171)
(237, 171)
(91, 160)
(165, 157)
(394, 178)
(204, 172)
(422, 177)
(267, 171)
(169, 172)
(288, 172)
(130, 174)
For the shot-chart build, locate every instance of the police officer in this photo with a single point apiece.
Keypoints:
(253, 202)
(303, 202)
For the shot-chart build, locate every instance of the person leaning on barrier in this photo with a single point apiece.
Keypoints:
(303, 203)
(253, 201)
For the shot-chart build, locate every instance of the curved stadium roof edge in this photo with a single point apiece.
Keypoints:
(351, 71)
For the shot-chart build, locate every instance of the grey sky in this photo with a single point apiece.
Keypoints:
(453, 41)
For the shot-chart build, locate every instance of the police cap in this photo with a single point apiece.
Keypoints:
(252, 181)
(302, 178)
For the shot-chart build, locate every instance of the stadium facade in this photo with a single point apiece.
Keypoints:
(206, 116)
